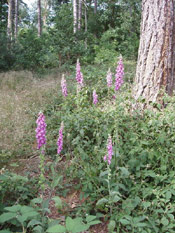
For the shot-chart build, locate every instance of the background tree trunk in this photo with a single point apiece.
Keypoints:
(85, 20)
(75, 15)
(95, 6)
(16, 17)
(10, 20)
(39, 18)
(79, 14)
(156, 58)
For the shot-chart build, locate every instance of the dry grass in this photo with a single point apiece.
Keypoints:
(22, 96)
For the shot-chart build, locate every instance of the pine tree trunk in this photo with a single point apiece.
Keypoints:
(39, 18)
(16, 17)
(156, 58)
(79, 14)
(9, 23)
(75, 16)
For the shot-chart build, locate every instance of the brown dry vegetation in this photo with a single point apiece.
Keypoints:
(22, 96)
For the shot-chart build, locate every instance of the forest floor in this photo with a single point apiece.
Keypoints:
(70, 202)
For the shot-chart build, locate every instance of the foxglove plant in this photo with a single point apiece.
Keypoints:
(119, 75)
(95, 97)
(64, 86)
(109, 78)
(108, 157)
(79, 75)
(60, 139)
(41, 130)
(41, 141)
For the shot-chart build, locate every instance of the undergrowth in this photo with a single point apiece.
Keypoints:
(137, 193)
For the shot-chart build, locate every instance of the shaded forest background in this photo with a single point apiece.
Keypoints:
(111, 29)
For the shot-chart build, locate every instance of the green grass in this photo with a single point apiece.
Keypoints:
(22, 96)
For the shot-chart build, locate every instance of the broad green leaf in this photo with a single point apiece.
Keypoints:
(37, 229)
(75, 225)
(21, 219)
(124, 171)
(94, 222)
(6, 217)
(14, 208)
(90, 218)
(30, 214)
(116, 198)
(124, 221)
(103, 173)
(168, 195)
(56, 181)
(26, 209)
(141, 224)
(146, 204)
(33, 222)
(37, 200)
(111, 226)
(164, 221)
(101, 201)
(58, 202)
(56, 229)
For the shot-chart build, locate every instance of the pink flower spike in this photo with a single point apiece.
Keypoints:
(95, 97)
(64, 86)
(105, 158)
(79, 75)
(60, 139)
(119, 75)
(109, 78)
(108, 157)
(41, 130)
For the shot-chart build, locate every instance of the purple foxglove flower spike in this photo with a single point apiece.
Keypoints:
(108, 157)
(109, 78)
(79, 75)
(41, 130)
(95, 97)
(64, 86)
(60, 139)
(119, 75)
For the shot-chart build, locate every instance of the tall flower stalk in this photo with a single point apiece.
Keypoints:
(95, 97)
(60, 139)
(109, 78)
(41, 142)
(79, 75)
(108, 158)
(119, 75)
(41, 130)
(64, 86)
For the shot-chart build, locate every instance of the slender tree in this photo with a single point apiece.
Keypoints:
(79, 14)
(75, 15)
(39, 18)
(95, 6)
(16, 17)
(156, 58)
(10, 19)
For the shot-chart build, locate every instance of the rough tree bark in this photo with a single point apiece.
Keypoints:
(156, 58)
(75, 16)
(39, 18)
